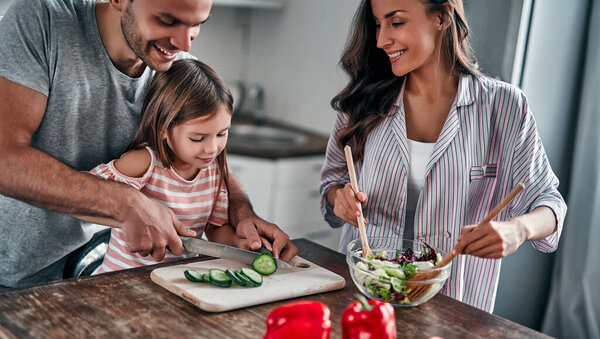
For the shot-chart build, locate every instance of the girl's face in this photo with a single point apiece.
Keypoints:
(406, 34)
(197, 142)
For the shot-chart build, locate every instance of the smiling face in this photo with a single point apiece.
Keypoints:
(156, 30)
(197, 142)
(407, 34)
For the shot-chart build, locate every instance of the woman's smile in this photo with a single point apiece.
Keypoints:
(394, 56)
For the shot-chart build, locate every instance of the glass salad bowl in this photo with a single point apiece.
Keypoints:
(385, 276)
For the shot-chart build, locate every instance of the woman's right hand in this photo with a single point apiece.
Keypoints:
(346, 204)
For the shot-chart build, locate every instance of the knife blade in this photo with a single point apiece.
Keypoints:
(217, 250)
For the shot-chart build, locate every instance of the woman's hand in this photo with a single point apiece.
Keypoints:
(491, 240)
(347, 205)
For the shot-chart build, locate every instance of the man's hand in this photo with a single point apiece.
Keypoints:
(151, 228)
(254, 232)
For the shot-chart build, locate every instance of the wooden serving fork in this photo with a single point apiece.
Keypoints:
(366, 250)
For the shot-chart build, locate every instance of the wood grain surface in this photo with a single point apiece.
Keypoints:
(129, 304)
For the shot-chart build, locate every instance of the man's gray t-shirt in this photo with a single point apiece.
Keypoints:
(93, 111)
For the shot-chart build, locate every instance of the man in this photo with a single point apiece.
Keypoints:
(73, 74)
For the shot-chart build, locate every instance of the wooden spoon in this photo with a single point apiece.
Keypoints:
(419, 290)
(366, 250)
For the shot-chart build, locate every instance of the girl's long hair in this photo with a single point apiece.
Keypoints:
(373, 88)
(188, 90)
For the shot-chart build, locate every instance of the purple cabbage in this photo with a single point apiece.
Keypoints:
(409, 256)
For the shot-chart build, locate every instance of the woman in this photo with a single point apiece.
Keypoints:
(436, 146)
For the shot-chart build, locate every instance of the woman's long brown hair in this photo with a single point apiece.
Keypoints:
(188, 90)
(372, 89)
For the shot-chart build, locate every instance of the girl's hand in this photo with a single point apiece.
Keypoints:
(255, 232)
(347, 205)
(491, 240)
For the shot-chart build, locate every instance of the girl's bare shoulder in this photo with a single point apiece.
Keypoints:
(134, 163)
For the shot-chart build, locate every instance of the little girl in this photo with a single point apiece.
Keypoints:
(178, 157)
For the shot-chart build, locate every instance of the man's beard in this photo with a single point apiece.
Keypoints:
(132, 36)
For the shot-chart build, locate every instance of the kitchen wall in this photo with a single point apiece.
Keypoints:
(4, 6)
(292, 52)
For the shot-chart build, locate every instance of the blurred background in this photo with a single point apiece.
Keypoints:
(280, 59)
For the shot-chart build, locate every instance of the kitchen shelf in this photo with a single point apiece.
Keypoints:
(265, 4)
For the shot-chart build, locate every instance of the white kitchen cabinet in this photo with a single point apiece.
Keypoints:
(266, 4)
(255, 175)
(285, 191)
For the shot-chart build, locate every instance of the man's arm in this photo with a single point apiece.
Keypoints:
(252, 228)
(40, 180)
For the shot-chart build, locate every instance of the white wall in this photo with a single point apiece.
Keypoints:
(292, 52)
(4, 6)
(219, 43)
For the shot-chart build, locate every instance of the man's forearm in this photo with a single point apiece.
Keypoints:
(240, 207)
(40, 180)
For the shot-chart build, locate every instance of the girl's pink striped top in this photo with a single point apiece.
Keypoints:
(488, 144)
(191, 200)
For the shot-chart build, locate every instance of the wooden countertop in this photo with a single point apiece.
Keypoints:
(129, 304)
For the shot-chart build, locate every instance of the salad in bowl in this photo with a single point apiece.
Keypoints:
(385, 275)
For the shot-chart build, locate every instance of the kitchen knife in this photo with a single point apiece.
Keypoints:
(217, 250)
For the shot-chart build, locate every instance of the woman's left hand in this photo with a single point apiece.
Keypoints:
(491, 240)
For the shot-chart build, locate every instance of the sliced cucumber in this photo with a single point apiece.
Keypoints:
(254, 276)
(246, 281)
(264, 264)
(235, 278)
(264, 250)
(193, 276)
(206, 278)
(219, 278)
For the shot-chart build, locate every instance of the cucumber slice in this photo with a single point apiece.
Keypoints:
(254, 276)
(264, 264)
(219, 278)
(264, 250)
(193, 276)
(245, 279)
(236, 279)
(206, 278)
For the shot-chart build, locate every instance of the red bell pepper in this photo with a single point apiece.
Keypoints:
(373, 319)
(298, 320)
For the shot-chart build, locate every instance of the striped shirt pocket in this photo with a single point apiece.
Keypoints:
(479, 172)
